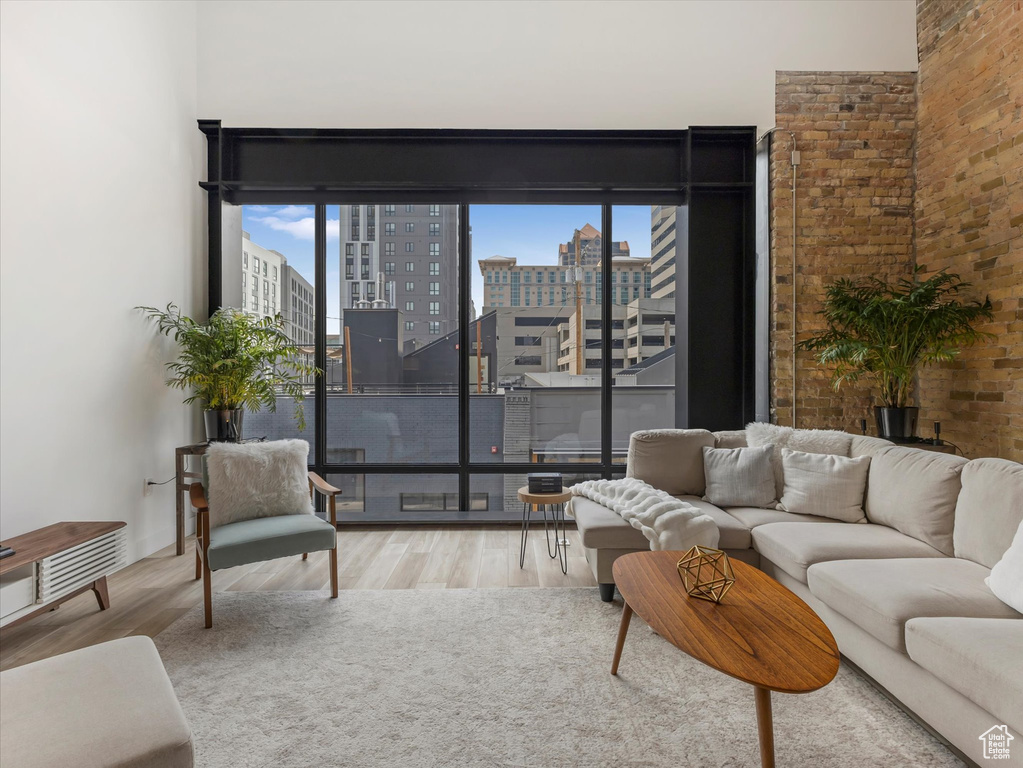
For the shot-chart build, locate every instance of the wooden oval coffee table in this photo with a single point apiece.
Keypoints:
(761, 633)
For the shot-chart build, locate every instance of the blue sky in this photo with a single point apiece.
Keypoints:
(530, 233)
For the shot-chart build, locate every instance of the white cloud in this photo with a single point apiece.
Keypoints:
(283, 211)
(300, 229)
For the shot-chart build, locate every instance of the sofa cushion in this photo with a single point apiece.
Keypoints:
(730, 438)
(751, 517)
(603, 528)
(989, 509)
(973, 657)
(794, 547)
(108, 704)
(915, 492)
(739, 476)
(733, 533)
(669, 459)
(267, 538)
(865, 445)
(824, 484)
(880, 596)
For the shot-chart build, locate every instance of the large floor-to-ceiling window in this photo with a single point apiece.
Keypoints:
(468, 336)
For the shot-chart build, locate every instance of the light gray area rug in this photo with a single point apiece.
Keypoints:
(502, 677)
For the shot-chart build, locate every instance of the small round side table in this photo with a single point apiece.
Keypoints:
(556, 503)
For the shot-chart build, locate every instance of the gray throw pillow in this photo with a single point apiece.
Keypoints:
(824, 485)
(739, 477)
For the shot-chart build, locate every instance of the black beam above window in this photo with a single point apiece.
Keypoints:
(259, 165)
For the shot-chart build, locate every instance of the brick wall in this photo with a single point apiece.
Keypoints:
(969, 208)
(854, 203)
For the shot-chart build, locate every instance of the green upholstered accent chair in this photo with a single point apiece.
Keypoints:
(262, 538)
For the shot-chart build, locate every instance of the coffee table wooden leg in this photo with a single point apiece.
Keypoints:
(623, 630)
(765, 726)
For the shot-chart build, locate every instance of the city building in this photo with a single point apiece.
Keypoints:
(588, 248)
(414, 249)
(662, 251)
(270, 287)
(509, 284)
(297, 307)
(261, 278)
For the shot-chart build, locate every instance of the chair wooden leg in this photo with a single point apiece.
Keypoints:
(305, 555)
(198, 565)
(207, 594)
(332, 557)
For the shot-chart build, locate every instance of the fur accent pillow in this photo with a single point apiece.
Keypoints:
(250, 480)
(805, 440)
(825, 485)
(739, 477)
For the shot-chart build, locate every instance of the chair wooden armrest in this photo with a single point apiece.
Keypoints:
(321, 486)
(197, 496)
(318, 485)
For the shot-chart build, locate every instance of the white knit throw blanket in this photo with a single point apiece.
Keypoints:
(667, 522)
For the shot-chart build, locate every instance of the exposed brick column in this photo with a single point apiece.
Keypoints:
(854, 200)
(969, 209)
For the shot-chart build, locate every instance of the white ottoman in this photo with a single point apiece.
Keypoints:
(108, 705)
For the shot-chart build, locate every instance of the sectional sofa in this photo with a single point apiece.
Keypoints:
(903, 592)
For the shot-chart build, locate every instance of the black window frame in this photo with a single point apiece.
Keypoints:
(707, 171)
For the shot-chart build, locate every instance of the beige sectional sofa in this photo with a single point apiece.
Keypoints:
(903, 592)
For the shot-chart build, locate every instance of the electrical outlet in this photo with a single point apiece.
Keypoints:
(147, 487)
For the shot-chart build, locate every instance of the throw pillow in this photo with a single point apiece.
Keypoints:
(824, 485)
(670, 460)
(250, 480)
(739, 477)
(806, 440)
(1006, 579)
(915, 492)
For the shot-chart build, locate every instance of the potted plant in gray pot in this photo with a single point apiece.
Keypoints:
(886, 332)
(233, 363)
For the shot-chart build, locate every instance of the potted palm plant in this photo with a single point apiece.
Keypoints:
(234, 362)
(887, 331)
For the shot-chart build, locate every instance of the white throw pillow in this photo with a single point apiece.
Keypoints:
(250, 480)
(806, 440)
(739, 477)
(824, 485)
(1006, 579)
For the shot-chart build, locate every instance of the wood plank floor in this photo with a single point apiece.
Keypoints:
(149, 595)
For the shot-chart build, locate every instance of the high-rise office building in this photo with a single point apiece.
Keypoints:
(414, 248)
(662, 251)
(506, 283)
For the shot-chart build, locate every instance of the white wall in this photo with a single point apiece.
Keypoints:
(100, 211)
(628, 64)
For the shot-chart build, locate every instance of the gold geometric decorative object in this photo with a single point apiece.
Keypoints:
(706, 573)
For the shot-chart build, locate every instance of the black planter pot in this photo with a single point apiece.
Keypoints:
(896, 423)
(224, 426)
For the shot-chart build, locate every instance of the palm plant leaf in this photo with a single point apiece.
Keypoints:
(235, 360)
(887, 331)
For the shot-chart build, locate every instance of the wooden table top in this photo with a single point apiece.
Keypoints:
(543, 498)
(34, 546)
(761, 633)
